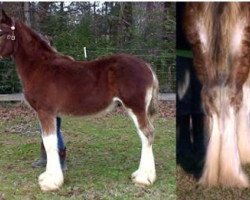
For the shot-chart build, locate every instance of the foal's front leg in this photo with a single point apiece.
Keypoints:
(243, 128)
(222, 164)
(52, 178)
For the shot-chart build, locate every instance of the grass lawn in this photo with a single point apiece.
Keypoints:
(102, 154)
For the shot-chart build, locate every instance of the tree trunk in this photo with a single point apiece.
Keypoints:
(26, 10)
(39, 15)
(61, 7)
(125, 23)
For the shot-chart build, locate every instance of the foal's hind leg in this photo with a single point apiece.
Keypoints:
(231, 172)
(52, 178)
(138, 109)
(145, 175)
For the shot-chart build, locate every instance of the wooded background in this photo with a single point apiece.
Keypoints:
(144, 29)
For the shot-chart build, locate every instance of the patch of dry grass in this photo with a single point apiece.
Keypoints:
(189, 189)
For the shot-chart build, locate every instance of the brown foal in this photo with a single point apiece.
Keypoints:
(56, 84)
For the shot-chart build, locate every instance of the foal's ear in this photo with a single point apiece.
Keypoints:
(6, 19)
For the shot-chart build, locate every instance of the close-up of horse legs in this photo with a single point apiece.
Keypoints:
(219, 38)
(218, 35)
(71, 73)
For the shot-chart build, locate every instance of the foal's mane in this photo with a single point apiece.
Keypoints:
(30, 36)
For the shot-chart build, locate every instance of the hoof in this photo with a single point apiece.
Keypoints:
(230, 180)
(239, 180)
(207, 183)
(144, 177)
(209, 178)
(50, 181)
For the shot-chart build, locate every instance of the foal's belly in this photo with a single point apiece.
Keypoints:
(86, 105)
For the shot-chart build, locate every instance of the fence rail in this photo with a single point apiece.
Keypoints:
(20, 97)
(162, 63)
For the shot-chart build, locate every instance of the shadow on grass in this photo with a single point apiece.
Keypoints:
(191, 141)
(192, 163)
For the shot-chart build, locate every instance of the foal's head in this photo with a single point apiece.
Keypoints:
(7, 36)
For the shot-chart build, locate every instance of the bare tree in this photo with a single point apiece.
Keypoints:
(26, 11)
(125, 22)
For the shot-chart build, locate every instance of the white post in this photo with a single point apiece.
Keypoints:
(85, 52)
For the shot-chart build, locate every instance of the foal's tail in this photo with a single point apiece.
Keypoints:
(153, 106)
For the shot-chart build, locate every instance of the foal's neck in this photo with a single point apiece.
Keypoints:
(30, 50)
(30, 46)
